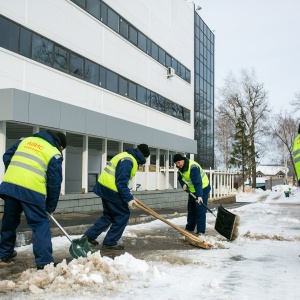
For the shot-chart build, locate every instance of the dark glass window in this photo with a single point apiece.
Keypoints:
(154, 51)
(132, 90)
(103, 18)
(76, 65)
(168, 60)
(61, 58)
(91, 72)
(123, 87)
(25, 42)
(161, 103)
(168, 107)
(112, 81)
(187, 75)
(142, 42)
(102, 81)
(182, 71)
(9, 35)
(93, 7)
(175, 65)
(42, 50)
(133, 35)
(113, 20)
(81, 3)
(162, 56)
(141, 95)
(154, 100)
(124, 28)
(149, 42)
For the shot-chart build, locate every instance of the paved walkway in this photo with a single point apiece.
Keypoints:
(78, 223)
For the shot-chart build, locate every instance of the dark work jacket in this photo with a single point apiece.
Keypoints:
(54, 179)
(195, 177)
(123, 171)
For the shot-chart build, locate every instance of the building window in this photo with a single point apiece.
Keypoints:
(142, 42)
(113, 20)
(76, 65)
(93, 7)
(133, 35)
(102, 81)
(124, 28)
(25, 42)
(142, 95)
(42, 50)
(111, 81)
(61, 58)
(123, 87)
(91, 72)
(132, 90)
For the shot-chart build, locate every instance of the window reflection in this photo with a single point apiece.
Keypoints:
(42, 50)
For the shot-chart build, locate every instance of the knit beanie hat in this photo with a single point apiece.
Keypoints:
(59, 138)
(63, 139)
(178, 157)
(144, 149)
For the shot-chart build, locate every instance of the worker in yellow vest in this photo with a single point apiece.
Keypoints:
(31, 184)
(112, 187)
(296, 155)
(193, 179)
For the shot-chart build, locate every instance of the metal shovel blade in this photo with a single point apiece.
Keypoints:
(79, 248)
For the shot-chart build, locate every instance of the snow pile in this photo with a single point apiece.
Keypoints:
(94, 274)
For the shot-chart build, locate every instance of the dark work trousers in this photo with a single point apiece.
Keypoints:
(197, 212)
(115, 214)
(37, 219)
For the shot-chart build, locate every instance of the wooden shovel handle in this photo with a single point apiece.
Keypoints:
(150, 211)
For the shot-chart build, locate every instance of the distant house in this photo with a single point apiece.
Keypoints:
(268, 176)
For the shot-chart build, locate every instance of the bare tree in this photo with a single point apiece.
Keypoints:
(284, 129)
(296, 103)
(224, 132)
(246, 97)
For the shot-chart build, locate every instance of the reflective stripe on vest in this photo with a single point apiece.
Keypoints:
(29, 164)
(108, 176)
(186, 176)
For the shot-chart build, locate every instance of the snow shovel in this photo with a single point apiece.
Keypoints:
(192, 239)
(78, 247)
(226, 222)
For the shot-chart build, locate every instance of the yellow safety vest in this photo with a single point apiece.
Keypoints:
(296, 155)
(186, 176)
(29, 164)
(108, 176)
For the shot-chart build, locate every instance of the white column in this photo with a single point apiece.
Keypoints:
(210, 182)
(147, 173)
(35, 129)
(2, 147)
(167, 170)
(120, 146)
(134, 179)
(157, 169)
(63, 184)
(175, 176)
(85, 164)
(104, 154)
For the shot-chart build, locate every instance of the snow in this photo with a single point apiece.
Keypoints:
(262, 263)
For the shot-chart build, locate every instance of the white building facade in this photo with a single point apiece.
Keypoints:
(111, 75)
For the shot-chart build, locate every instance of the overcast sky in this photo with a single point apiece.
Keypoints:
(262, 35)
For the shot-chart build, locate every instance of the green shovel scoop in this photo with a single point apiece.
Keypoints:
(78, 247)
